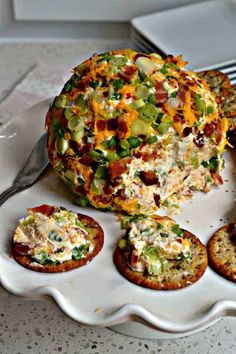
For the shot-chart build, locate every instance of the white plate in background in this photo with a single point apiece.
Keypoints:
(205, 33)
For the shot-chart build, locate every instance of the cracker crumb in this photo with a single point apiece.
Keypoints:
(97, 309)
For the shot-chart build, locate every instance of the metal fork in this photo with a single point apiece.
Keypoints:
(31, 171)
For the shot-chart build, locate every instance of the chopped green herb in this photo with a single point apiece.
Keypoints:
(152, 99)
(118, 84)
(133, 141)
(78, 253)
(177, 230)
(136, 173)
(209, 110)
(82, 201)
(67, 87)
(152, 139)
(159, 226)
(94, 84)
(148, 113)
(40, 257)
(204, 163)
(164, 234)
(53, 236)
(173, 94)
(214, 163)
(142, 75)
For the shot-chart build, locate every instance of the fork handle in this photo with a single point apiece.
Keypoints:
(9, 192)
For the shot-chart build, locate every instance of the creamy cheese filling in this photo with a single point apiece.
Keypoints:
(178, 165)
(55, 238)
(155, 242)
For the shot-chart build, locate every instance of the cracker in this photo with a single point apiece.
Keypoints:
(218, 82)
(98, 240)
(180, 274)
(221, 250)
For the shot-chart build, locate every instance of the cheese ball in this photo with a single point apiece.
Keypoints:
(135, 132)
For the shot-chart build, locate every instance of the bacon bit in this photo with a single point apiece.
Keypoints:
(133, 258)
(157, 199)
(101, 125)
(43, 209)
(171, 58)
(128, 72)
(209, 130)
(199, 140)
(122, 126)
(216, 178)
(129, 95)
(161, 94)
(218, 132)
(121, 194)
(112, 124)
(83, 84)
(118, 167)
(149, 178)
(141, 55)
(181, 94)
(86, 160)
(103, 199)
(177, 118)
(21, 249)
(80, 190)
(186, 132)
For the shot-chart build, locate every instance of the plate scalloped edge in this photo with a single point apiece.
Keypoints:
(131, 312)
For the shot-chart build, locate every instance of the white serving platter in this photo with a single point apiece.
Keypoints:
(96, 294)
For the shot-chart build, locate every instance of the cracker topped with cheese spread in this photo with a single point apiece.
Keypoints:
(53, 239)
(135, 132)
(156, 253)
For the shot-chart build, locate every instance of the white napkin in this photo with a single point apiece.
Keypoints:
(43, 81)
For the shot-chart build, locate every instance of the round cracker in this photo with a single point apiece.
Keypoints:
(182, 273)
(218, 82)
(221, 250)
(71, 264)
(229, 105)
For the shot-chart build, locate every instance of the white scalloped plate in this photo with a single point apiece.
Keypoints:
(96, 294)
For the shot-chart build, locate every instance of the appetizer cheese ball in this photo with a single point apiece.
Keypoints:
(52, 239)
(156, 253)
(135, 132)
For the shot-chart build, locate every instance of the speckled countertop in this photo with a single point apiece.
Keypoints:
(39, 326)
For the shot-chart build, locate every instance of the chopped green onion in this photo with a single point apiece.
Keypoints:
(116, 96)
(209, 110)
(27, 221)
(204, 163)
(214, 163)
(96, 185)
(142, 92)
(68, 113)
(53, 236)
(124, 144)
(82, 201)
(139, 127)
(78, 253)
(67, 87)
(112, 142)
(200, 105)
(177, 230)
(122, 244)
(148, 113)
(61, 145)
(94, 84)
(61, 101)
(152, 139)
(111, 156)
(133, 141)
(101, 172)
(152, 99)
(163, 127)
(137, 104)
(118, 84)
(124, 153)
(97, 156)
(40, 257)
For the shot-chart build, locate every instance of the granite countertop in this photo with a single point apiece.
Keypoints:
(40, 326)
